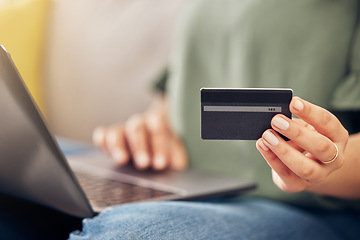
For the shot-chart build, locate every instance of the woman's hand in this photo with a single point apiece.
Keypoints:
(315, 150)
(145, 139)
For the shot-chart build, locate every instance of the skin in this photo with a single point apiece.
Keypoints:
(297, 165)
(145, 139)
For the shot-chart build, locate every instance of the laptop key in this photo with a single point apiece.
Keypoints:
(104, 192)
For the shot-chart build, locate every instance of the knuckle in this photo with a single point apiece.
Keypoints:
(152, 121)
(299, 133)
(272, 158)
(307, 173)
(325, 118)
(283, 152)
(323, 147)
(155, 123)
(134, 124)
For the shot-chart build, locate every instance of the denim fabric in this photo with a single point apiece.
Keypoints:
(244, 219)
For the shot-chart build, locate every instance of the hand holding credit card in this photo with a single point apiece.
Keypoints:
(241, 113)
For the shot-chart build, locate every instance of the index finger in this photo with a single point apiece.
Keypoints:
(322, 120)
(159, 140)
(137, 138)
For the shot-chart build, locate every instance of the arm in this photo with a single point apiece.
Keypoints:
(300, 164)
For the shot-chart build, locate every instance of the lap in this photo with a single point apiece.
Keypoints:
(241, 219)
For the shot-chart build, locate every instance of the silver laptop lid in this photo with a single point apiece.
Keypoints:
(31, 165)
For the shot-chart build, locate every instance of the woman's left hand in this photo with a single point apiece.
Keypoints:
(315, 150)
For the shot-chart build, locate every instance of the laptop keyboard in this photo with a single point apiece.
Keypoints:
(103, 192)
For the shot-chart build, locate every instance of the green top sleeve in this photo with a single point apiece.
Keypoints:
(310, 46)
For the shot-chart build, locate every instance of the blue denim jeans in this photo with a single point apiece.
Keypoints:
(241, 219)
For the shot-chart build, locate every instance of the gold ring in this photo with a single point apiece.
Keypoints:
(335, 157)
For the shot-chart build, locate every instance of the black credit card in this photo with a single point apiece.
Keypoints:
(241, 113)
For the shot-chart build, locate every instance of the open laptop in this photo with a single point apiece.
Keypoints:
(32, 166)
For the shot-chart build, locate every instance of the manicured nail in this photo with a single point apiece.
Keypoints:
(298, 105)
(159, 161)
(119, 155)
(271, 138)
(263, 146)
(142, 160)
(280, 123)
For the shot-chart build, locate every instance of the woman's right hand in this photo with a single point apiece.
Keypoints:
(145, 139)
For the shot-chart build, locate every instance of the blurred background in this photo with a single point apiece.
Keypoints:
(89, 62)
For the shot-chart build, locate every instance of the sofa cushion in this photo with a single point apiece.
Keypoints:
(22, 24)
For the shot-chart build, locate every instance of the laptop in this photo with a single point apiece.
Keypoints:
(33, 167)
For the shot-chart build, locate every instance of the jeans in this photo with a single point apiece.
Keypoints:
(253, 219)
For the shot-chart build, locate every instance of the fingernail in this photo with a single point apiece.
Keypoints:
(298, 105)
(263, 146)
(280, 123)
(159, 161)
(271, 138)
(142, 160)
(118, 155)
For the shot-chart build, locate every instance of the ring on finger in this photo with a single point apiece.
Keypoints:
(335, 156)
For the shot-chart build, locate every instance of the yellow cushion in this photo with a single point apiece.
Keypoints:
(22, 33)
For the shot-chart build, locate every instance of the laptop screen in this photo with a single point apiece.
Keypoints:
(31, 165)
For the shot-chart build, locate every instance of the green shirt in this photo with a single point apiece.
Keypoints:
(310, 46)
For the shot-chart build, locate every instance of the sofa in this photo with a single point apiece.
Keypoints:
(87, 62)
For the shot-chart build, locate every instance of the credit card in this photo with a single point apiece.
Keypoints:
(241, 113)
